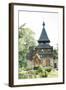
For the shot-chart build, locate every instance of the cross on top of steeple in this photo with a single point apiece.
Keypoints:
(43, 24)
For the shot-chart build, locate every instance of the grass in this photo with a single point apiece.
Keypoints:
(53, 73)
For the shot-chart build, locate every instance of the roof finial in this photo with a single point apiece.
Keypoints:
(43, 24)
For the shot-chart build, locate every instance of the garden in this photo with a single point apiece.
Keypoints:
(37, 72)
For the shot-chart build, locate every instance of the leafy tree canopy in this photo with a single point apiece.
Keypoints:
(25, 41)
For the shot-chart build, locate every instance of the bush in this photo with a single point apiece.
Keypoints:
(48, 69)
(27, 69)
(46, 74)
(35, 68)
(23, 75)
(38, 72)
(41, 72)
(31, 72)
(41, 69)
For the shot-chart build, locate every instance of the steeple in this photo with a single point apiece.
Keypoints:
(43, 37)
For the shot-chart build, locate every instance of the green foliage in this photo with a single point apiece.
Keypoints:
(45, 74)
(41, 72)
(48, 69)
(28, 68)
(25, 41)
(40, 69)
(35, 68)
(23, 75)
(55, 54)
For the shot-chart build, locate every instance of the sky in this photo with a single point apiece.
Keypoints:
(34, 20)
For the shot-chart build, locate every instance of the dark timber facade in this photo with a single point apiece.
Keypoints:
(43, 53)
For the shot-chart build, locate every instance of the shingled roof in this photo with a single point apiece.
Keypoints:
(43, 37)
(42, 45)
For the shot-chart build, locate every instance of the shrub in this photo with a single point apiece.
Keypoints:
(31, 72)
(43, 74)
(40, 72)
(41, 69)
(35, 68)
(27, 69)
(48, 69)
(46, 74)
(23, 75)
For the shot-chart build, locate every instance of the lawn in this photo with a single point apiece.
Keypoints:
(53, 73)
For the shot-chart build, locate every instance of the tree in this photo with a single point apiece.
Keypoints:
(25, 41)
(55, 54)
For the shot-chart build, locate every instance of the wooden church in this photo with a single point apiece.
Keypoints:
(43, 53)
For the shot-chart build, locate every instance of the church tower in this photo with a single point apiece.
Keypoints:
(44, 50)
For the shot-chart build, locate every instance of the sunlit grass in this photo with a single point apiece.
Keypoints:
(53, 73)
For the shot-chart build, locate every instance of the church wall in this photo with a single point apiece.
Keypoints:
(48, 63)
